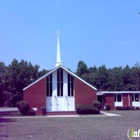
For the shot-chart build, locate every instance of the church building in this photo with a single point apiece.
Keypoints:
(59, 90)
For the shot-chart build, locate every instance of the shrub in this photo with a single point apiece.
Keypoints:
(137, 108)
(107, 107)
(43, 108)
(31, 112)
(77, 106)
(124, 108)
(97, 104)
(23, 107)
(88, 109)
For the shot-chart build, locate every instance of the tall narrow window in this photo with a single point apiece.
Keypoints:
(136, 97)
(118, 97)
(49, 85)
(59, 82)
(70, 85)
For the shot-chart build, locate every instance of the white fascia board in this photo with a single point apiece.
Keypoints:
(41, 78)
(77, 77)
(116, 92)
(60, 66)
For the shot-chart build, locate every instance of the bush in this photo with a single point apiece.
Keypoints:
(107, 107)
(43, 108)
(137, 108)
(31, 112)
(124, 108)
(77, 106)
(97, 104)
(88, 109)
(23, 107)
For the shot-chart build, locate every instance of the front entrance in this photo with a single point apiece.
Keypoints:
(100, 99)
(60, 92)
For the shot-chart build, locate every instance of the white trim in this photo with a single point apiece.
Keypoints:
(60, 66)
(117, 103)
(116, 92)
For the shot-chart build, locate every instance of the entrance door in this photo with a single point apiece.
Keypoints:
(60, 91)
(51, 104)
(70, 103)
(60, 103)
(100, 99)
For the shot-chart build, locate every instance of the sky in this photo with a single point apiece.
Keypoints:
(105, 32)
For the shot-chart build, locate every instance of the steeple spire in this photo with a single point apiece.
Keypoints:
(58, 58)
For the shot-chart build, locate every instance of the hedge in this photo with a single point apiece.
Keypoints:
(31, 112)
(124, 108)
(87, 109)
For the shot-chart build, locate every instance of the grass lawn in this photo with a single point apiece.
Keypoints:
(76, 128)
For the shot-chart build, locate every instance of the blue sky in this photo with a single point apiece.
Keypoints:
(96, 32)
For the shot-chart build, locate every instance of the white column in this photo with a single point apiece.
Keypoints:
(65, 90)
(54, 88)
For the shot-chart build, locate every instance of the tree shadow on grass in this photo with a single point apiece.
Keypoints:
(6, 120)
(5, 116)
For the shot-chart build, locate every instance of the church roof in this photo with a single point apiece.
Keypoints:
(60, 66)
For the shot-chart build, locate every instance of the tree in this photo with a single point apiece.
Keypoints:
(102, 78)
(115, 81)
(18, 75)
(2, 85)
(81, 68)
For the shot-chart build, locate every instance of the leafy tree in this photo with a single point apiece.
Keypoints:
(102, 78)
(2, 85)
(115, 81)
(18, 75)
(81, 68)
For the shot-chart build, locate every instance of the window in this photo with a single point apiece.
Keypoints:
(118, 97)
(49, 85)
(70, 85)
(135, 97)
(59, 82)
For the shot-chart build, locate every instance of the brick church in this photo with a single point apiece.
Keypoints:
(59, 90)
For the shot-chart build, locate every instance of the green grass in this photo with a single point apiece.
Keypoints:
(81, 128)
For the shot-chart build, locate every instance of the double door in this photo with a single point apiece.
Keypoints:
(60, 103)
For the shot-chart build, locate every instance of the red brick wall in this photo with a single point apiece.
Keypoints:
(36, 95)
(83, 93)
(126, 98)
(109, 99)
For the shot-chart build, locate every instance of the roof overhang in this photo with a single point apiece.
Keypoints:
(117, 92)
(60, 66)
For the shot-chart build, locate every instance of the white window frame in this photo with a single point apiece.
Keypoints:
(134, 102)
(118, 103)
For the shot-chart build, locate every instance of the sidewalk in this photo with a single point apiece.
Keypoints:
(8, 109)
(14, 109)
(109, 114)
